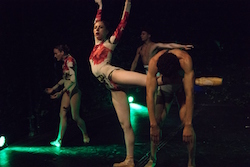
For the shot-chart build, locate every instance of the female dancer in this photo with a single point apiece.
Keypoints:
(71, 94)
(115, 77)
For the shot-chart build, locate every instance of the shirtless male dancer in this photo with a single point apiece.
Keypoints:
(149, 48)
(177, 75)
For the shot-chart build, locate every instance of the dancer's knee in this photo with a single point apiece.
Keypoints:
(62, 114)
(125, 126)
(76, 118)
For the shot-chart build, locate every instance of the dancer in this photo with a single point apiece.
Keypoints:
(149, 48)
(113, 77)
(71, 94)
(177, 75)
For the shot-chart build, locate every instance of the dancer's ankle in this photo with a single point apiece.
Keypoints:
(86, 138)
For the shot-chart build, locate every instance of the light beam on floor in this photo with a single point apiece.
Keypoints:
(137, 112)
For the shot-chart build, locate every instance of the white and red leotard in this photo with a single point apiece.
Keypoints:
(101, 54)
(69, 79)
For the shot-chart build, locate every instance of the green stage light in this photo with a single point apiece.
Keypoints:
(2, 141)
(138, 109)
(130, 99)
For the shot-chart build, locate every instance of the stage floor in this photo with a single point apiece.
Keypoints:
(223, 136)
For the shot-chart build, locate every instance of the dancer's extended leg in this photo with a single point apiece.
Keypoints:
(129, 78)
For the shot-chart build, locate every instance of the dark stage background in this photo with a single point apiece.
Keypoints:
(29, 29)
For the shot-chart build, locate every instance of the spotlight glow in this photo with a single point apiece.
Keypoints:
(130, 99)
(2, 141)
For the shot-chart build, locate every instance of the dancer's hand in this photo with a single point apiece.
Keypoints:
(155, 134)
(188, 134)
(188, 47)
(56, 95)
(48, 90)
